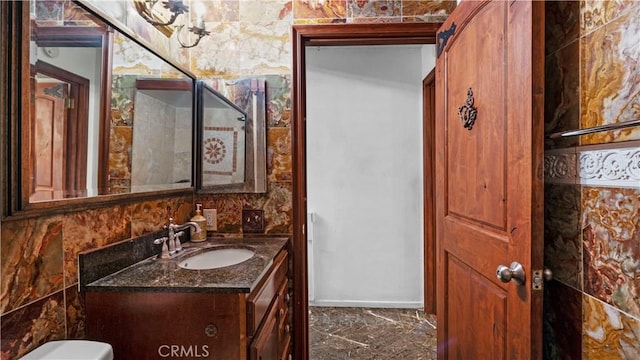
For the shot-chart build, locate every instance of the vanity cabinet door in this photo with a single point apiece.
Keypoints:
(152, 325)
(261, 299)
(265, 344)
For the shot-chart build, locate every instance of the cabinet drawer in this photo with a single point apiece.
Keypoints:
(259, 300)
(265, 344)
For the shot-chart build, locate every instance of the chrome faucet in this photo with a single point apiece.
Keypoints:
(175, 231)
(171, 244)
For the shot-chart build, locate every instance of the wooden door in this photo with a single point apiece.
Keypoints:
(489, 179)
(48, 145)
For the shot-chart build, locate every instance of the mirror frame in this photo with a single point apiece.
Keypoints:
(15, 110)
(255, 163)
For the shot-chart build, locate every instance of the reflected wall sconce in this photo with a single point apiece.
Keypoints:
(176, 8)
(198, 30)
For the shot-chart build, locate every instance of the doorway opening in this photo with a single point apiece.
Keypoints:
(365, 201)
(327, 35)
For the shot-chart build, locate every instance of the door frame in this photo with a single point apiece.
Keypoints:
(326, 35)
(428, 190)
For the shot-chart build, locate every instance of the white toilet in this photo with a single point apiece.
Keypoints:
(71, 350)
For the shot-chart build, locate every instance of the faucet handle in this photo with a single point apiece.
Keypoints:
(165, 250)
(160, 240)
(178, 245)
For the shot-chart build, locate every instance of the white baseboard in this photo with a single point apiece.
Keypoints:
(371, 304)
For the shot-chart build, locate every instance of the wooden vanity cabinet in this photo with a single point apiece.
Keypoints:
(225, 326)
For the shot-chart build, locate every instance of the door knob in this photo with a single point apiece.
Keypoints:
(515, 272)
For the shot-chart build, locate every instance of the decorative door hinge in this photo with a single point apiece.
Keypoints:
(442, 37)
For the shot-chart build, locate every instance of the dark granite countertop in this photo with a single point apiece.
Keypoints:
(157, 275)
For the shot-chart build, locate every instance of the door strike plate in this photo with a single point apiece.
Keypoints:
(537, 280)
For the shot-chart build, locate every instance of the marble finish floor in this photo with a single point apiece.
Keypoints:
(370, 333)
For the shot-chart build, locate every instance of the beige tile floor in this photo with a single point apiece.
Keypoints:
(370, 333)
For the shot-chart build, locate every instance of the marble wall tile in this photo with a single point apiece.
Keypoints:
(92, 229)
(265, 52)
(278, 209)
(215, 58)
(562, 321)
(254, 11)
(562, 246)
(374, 8)
(75, 15)
(611, 241)
(32, 325)
(562, 24)
(562, 95)
(279, 155)
(278, 100)
(49, 12)
(427, 10)
(31, 260)
(277, 204)
(608, 333)
(129, 58)
(74, 310)
(120, 144)
(254, 48)
(152, 215)
(229, 210)
(320, 9)
(122, 90)
(595, 13)
(221, 10)
(611, 78)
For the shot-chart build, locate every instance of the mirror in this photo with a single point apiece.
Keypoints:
(223, 139)
(151, 128)
(106, 115)
(232, 137)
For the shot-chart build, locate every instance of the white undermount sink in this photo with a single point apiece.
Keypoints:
(217, 258)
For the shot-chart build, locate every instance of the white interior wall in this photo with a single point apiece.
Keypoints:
(364, 175)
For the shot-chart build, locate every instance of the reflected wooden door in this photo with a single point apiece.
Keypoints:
(48, 142)
(489, 180)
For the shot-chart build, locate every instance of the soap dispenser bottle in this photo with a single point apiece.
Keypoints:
(202, 222)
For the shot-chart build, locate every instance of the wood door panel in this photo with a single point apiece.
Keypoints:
(48, 141)
(488, 187)
(476, 168)
(481, 249)
(45, 143)
(485, 339)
